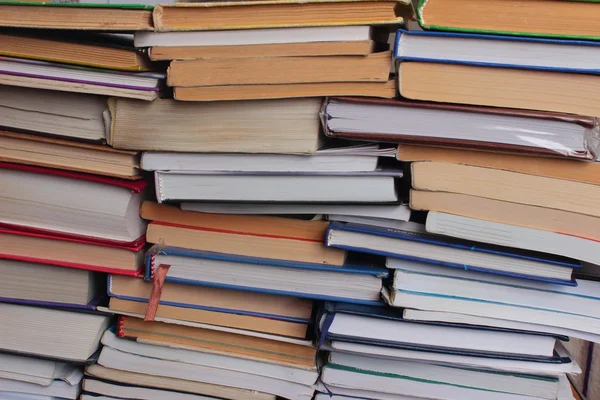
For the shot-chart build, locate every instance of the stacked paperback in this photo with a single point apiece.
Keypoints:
(298, 200)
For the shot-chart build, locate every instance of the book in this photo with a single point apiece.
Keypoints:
(56, 389)
(509, 186)
(214, 319)
(218, 342)
(497, 51)
(434, 280)
(38, 371)
(79, 16)
(49, 72)
(397, 212)
(512, 17)
(471, 127)
(70, 252)
(164, 383)
(29, 282)
(465, 361)
(393, 332)
(98, 389)
(202, 367)
(513, 236)
(559, 168)
(50, 333)
(351, 158)
(266, 126)
(356, 281)
(255, 236)
(56, 113)
(275, 14)
(227, 301)
(351, 48)
(42, 200)
(285, 91)
(281, 70)
(413, 243)
(414, 378)
(89, 50)
(319, 187)
(250, 37)
(20, 148)
(546, 219)
(499, 87)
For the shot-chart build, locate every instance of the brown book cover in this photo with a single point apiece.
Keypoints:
(588, 122)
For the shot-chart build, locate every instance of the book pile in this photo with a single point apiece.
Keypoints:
(251, 201)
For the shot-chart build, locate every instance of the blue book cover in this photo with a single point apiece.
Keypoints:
(330, 309)
(356, 264)
(421, 236)
(205, 308)
(475, 59)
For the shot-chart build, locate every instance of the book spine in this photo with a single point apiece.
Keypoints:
(120, 325)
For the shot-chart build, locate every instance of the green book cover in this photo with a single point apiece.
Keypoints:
(422, 4)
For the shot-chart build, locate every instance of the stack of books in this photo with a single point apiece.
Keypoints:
(263, 200)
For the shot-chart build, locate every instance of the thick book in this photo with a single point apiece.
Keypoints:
(72, 204)
(528, 216)
(550, 91)
(513, 17)
(51, 333)
(43, 75)
(498, 184)
(276, 14)
(226, 301)
(287, 382)
(127, 378)
(218, 342)
(21, 148)
(384, 89)
(56, 113)
(79, 16)
(311, 187)
(270, 126)
(434, 381)
(414, 243)
(576, 56)
(356, 281)
(279, 70)
(84, 49)
(434, 280)
(38, 371)
(95, 389)
(62, 251)
(519, 237)
(33, 283)
(254, 236)
(451, 125)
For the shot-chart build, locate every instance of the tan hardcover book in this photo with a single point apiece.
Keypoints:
(278, 70)
(546, 219)
(501, 87)
(588, 172)
(532, 17)
(207, 340)
(508, 186)
(356, 48)
(277, 13)
(248, 224)
(257, 126)
(52, 15)
(250, 323)
(180, 385)
(90, 53)
(286, 90)
(65, 154)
